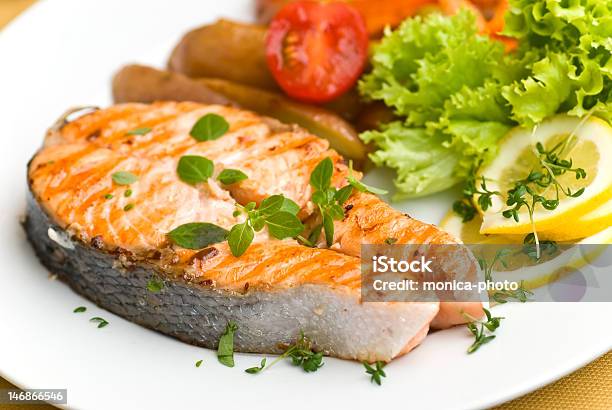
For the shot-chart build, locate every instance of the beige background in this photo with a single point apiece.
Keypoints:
(587, 388)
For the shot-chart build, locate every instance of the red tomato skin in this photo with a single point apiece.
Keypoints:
(327, 46)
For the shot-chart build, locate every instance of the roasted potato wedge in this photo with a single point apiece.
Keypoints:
(135, 83)
(144, 84)
(226, 49)
(236, 52)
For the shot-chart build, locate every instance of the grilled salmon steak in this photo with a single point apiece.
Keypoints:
(108, 239)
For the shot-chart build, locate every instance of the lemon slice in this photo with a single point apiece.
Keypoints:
(583, 226)
(531, 276)
(589, 147)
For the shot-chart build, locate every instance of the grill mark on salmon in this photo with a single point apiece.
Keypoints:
(70, 175)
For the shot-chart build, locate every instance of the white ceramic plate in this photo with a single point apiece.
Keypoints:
(63, 53)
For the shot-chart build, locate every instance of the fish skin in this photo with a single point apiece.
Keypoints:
(116, 251)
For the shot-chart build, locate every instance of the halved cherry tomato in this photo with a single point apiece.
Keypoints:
(316, 51)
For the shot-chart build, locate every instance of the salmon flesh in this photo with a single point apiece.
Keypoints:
(108, 244)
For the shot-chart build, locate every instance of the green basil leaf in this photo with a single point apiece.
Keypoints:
(319, 198)
(328, 227)
(336, 212)
(283, 225)
(124, 178)
(193, 169)
(240, 238)
(231, 176)
(257, 369)
(290, 206)
(80, 309)
(197, 235)
(225, 351)
(320, 178)
(343, 194)
(360, 186)
(271, 205)
(139, 131)
(209, 127)
(258, 223)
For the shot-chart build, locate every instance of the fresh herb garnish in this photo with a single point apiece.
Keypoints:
(139, 131)
(530, 248)
(124, 178)
(276, 212)
(479, 329)
(193, 169)
(198, 363)
(109, 196)
(521, 295)
(327, 198)
(101, 322)
(197, 235)
(128, 207)
(390, 241)
(155, 285)
(360, 186)
(525, 191)
(464, 207)
(128, 193)
(487, 268)
(231, 176)
(257, 369)
(209, 127)
(240, 238)
(80, 309)
(225, 352)
(301, 354)
(284, 225)
(376, 372)
(313, 237)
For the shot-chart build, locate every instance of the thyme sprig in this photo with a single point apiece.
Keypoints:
(481, 330)
(301, 355)
(376, 371)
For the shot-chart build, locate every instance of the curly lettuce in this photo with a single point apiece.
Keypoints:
(456, 93)
(445, 82)
(573, 39)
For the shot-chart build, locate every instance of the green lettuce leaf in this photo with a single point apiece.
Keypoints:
(446, 81)
(424, 165)
(456, 93)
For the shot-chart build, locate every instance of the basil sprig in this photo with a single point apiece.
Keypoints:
(209, 127)
(197, 235)
(327, 198)
(194, 169)
(276, 212)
